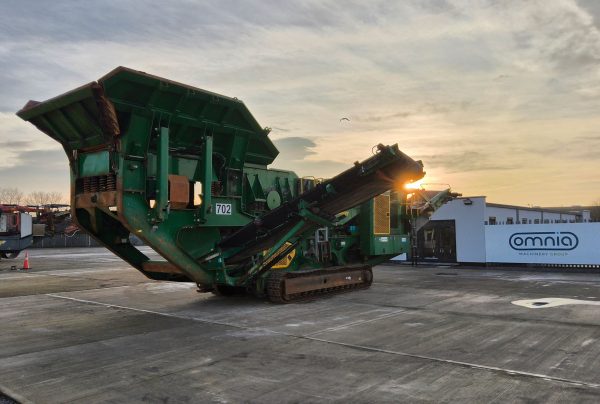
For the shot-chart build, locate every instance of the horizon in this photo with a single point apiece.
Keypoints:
(498, 100)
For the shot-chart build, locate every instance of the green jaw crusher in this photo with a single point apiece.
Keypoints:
(185, 170)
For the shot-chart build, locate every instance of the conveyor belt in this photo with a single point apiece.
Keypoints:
(354, 186)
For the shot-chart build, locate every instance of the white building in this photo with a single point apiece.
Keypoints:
(474, 217)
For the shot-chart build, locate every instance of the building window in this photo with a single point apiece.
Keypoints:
(524, 221)
(536, 221)
(509, 220)
(492, 220)
(546, 221)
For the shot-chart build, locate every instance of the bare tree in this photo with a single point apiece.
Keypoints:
(10, 196)
(38, 198)
(55, 197)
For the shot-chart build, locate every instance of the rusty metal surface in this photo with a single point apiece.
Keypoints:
(289, 287)
(160, 267)
(108, 115)
(179, 191)
(90, 200)
(306, 284)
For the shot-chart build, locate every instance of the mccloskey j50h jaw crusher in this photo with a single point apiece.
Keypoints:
(185, 170)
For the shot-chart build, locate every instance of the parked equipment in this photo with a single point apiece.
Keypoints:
(15, 230)
(186, 170)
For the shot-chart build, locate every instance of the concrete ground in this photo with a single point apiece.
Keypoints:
(82, 326)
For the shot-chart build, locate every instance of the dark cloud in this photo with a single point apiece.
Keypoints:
(292, 156)
(294, 148)
(593, 8)
(275, 128)
(439, 7)
(464, 162)
(523, 40)
(15, 145)
(428, 108)
(71, 20)
(190, 21)
(581, 147)
(572, 44)
(379, 118)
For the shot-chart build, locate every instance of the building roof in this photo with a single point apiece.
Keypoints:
(570, 209)
(534, 209)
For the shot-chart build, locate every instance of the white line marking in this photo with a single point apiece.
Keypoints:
(23, 274)
(358, 322)
(116, 306)
(496, 369)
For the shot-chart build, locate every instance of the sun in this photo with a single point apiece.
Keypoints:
(414, 185)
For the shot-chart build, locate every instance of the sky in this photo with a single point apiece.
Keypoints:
(497, 98)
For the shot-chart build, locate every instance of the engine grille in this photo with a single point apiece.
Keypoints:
(381, 214)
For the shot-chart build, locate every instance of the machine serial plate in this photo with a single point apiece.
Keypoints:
(223, 208)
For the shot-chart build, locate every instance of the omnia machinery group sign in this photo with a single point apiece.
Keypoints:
(556, 243)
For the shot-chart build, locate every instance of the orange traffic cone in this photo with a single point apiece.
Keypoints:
(26, 262)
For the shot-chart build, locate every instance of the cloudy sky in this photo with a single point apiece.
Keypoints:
(498, 98)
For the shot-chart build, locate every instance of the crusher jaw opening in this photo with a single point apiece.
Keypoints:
(186, 171)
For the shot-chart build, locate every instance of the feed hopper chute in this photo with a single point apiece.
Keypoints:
(186, 171)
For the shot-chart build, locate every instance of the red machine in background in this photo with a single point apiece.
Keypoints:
(16, 229)
(19, 224)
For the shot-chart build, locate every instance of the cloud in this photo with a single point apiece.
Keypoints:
(593, 8)
(15, 145)
(38, 170)
(466, 161)
(487, 82)
(293, 153)
(425, 109)
(294, 148)
(379, 118)
(583, 147)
